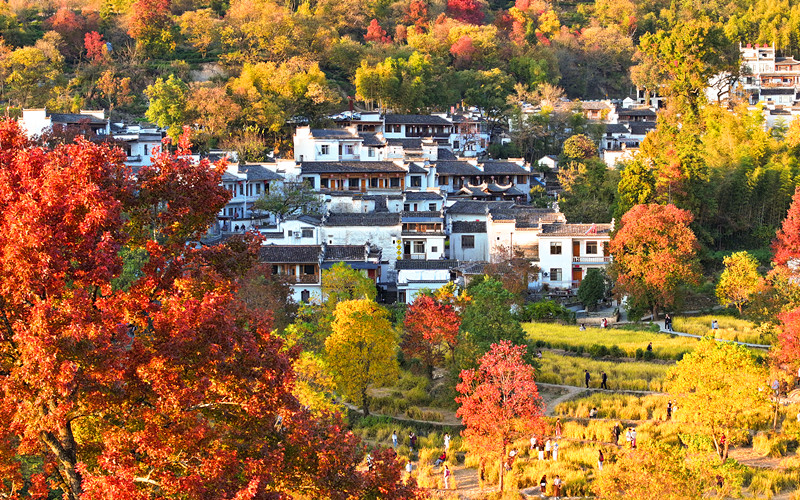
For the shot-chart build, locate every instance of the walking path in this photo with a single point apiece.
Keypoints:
(574, 392)
(660, 324)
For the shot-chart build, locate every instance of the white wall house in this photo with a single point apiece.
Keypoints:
(469, 241)
(379, 229)
(246, 183)
(416, 275)
(568, 251)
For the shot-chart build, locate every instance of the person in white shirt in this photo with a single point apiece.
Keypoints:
(447, 442)
(547, 448)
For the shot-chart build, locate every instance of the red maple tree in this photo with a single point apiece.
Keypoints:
(654, 252)
(499, 403)
(376, 34)
(431, 330)
(786, 353)
(95, 47)
(786, 245)
(160, 385)
(467, 11)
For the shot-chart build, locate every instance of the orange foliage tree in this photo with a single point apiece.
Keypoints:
(654, 253)
(499, 403)
(431, 330)
(165, 386)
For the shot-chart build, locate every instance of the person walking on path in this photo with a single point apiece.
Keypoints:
(446, 475)
(633, 438)
(557, 486)
(600, 460)
(547, 449)
(587, 377)
(667, 322)
(615, 433)
(543, 486)
(603, 379)
(628, 437)
(447, 441)
(394, 439)
(669, 409)
(541, 450)
(558, 428)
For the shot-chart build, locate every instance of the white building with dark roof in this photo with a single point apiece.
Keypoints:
(247, 183)
(568, 251)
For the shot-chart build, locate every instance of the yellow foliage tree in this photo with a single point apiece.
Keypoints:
(739, 281)
(720, 388)
(361, 348)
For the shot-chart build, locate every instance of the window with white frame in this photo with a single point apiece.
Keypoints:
(555, 274)
(591, 247)
(555, 248)
(348, 149)
(467, 241)
(325, 149)
(308, 232)
(419, 247)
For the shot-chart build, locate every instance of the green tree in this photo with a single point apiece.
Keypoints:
(739, 281)
(168, 105)
(30, 75)
(361, 348)
(719, 387)
(592, 288)
(637, 185)
(294, 198)
(487, 319)
(341, 282)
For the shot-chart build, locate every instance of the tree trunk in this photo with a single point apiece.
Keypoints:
(502, 468)
(63, 446)
(365, 402)
(429, 371)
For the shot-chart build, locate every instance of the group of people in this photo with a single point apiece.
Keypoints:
(603, 379)
(630, 435)
(556, 486)
(545, 449)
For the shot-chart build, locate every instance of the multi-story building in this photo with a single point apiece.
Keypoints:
(568, 251)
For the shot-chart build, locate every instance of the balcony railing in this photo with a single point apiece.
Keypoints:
(306, 278)
(585, 259)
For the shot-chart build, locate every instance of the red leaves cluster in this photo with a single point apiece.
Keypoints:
(786, 245)
(169, 386)
(95, 47)
(463, 50)
(467, 11)
(499, 401)
(654, 251)
(431, 329)
(376, 34)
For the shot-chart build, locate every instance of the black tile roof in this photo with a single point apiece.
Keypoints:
(331, 167)
(371, 139)
(456, 168)
(425, 264)
(477, 207)
(641, 128)
(416, 168)
(446, 154)
(503, 168)
(576, 229)
(345, 252)
(416, 120)
(423, 213)
(301, 254)
(409, 144)
(422, 195)
(259, 173)
(308, 219)
(75, 118)
(332, 133)
(636, 112)
(460, 226)
(368, 219)
(616, 128)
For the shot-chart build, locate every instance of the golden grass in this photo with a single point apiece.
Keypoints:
(568, 370)
(739, 330)
(616, 406)
(570, 336)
